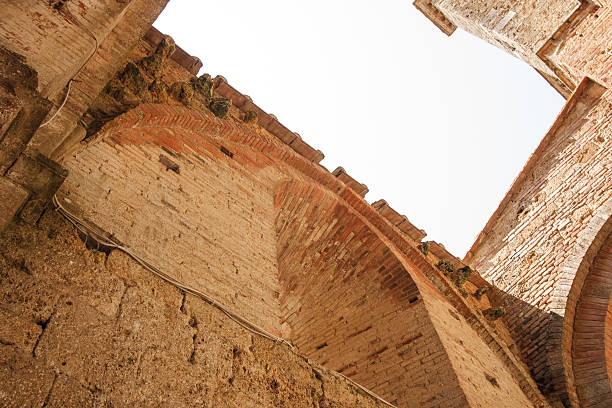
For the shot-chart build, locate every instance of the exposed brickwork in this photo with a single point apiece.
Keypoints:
(187, 137)
(591, 344)
(192, 214)
(518, 27)
(525, 245)
(218, 194)
(584, 50)
(353, 307)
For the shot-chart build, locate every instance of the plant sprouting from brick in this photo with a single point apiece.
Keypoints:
(182, 91)
(133, 79)
(494, 313)
(153, 64)
(220, 107)
(480, 292)
(249, 116)
(204, 85)
(461, 275)
(445, 267)
(424, 248)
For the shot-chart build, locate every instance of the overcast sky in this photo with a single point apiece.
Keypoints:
(438, 126)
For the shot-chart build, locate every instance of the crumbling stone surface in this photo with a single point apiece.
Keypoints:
(12, 198)
(85, 328)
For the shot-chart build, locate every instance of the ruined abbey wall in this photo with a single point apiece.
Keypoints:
(518, 27)
(84, 328)
(525, 246)
(274, 267)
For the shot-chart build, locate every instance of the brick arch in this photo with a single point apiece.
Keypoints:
(592, 344)
(570, 311)
(354, 303)
(349, 303)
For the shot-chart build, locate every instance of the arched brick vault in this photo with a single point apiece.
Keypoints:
(350, 303)
(196, 196)
(578, 339)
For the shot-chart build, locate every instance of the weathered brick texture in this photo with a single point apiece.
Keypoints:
(525, 246)
(518, 27)
(203, 221)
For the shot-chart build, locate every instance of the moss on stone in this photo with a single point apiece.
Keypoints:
(152, 65)
(132, 78)
(159, 91)
(203, 85)
(461, 275)
(182, 92)
(445, 267)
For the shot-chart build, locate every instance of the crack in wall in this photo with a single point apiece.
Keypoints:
(43, 325)
(48, 397)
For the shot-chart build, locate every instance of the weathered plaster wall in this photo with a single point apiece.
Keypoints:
(83, 329)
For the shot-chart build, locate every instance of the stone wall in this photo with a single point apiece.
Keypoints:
(584, 49)
(84, 328)
(165, 164)
(518, 27)
(524, 247)
(83, 42)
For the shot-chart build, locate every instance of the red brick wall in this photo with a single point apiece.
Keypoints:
(591, 357)
(352, 306)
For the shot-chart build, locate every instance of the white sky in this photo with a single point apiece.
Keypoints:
(437, 126)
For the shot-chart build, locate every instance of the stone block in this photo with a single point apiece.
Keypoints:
(12, 198)
(10, 106)
(42, 176)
